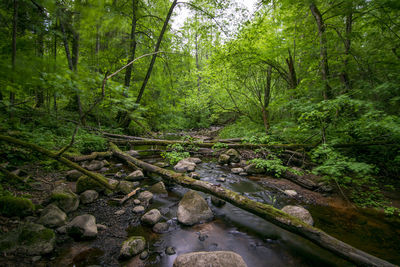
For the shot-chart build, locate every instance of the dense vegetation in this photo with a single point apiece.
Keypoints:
(315, 72)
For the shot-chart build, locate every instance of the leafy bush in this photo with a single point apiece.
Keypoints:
(272, 165)
(178, 153)
(218, 146)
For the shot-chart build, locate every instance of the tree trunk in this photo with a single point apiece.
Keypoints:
(14, 46)
(128, 72)
(156, 49)
(292, 77)
(327, 93)
(40, 93)
(54, 155)
(265, 211)
(267, 94)
(66, 46)
(347, 45)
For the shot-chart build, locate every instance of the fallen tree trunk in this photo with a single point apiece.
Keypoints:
(264, 211)
(95, 176)
(92, 156)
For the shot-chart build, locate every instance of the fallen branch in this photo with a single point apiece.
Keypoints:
(264, 211)
(95, 176)
(11, 175)
(128, 196)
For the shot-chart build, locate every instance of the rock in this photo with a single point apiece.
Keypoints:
(104, 169)
(161, 164)
(82, 227)
(234, 156)
(214, 259)
(52, 216)
(135, 176)
(101, 227)
(145, 196)
(36, 258)
(194, 175)
(138, 209)
(237, 170)
(106, 163)
(159, 188)
(133, 246)
(136, 201)
(202, 236)
(132, 153)
(144, 255)
(243, 173)
(290, 193)
(94, 165)
(151, 217)
(73, 175)
(193, 209)
(184, 166)
(243, 163)
(221, 179)
(252, 169)
(28, 239)
(300, 213)
(88, 196)
(161, 227)
(170, 251)
(119, 212)
(217, 201)
(126, 187)
(193, 160)
(16, 206)
(223, 159)
(120, 175)
(62, 230)
(64, 198)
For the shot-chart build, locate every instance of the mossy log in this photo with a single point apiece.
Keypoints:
(11, 175)
(264, 211)
(92, 156)
(99, 178)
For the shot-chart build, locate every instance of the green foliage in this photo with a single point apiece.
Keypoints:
(242, 128)
(218, 146)
(15, 206)
(272, 165)
(178, 153)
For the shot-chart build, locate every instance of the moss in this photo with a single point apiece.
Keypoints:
(16, 206)
(60, 196)
(29, 237)
(85, 183)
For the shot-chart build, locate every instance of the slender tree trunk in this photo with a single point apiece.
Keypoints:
(128, 72)
(40, 93)
(327, 93)
(267, 94)
(14, 46)
(197, 61)
(292, 77)
(55, 68)
(66, 46)
(347, 45)
(156, 49)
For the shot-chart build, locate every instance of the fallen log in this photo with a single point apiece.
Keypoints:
(264, 211)
(92, 156)
(11, 175)
(97, 177)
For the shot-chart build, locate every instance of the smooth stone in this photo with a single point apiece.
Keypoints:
(221, 179)
(159, 188)
(243, 174)
(73, 175)
(135, 176)
(136, 202)
(88, 196)
(170, 251)
(52, 216)
(64, 198)
(161, 227)
(144, 255)
(290, 193)
(151, 217)
(237, 170)
(193, 209)
(126, 187)
(82, 227)
(145, 196)
(214, 259)
(94, 165)
(193, 160)
(119, 212)
(234, 155)
(300, 213)
(223, 159)
(138, 209)
(185, 166)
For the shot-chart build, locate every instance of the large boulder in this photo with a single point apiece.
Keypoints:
(132, 246)
(82, 227)
(300, 213)
(29, 239)
(252, 169)
(64, 198)
(234, 155)
(193, 209)
(151, 217)
(73, 175)
(135, 176)
(159, 188)
(88, 196)
(214, 259)
(52, 216)
(193, 160)
(185, 166)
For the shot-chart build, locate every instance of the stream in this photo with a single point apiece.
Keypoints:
(259, 242)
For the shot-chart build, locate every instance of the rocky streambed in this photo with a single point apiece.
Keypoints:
(164, 221)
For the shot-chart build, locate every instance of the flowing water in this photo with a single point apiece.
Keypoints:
(259, 243)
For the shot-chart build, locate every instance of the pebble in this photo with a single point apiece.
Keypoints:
(136, 202)
(138, 209)
(144, 255)
(202, 236)
(221, 179)
(36, 258)
(170, 251)
(119, 212)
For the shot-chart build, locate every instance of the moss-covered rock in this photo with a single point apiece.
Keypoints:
(86, 183)
(29, 239)
(64, 198)
(15, 206)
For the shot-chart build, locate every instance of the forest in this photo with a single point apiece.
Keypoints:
(200, 133)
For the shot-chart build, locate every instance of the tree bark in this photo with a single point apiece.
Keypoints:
(327, 93)
(347, 45)
(54, 155)
(156, 49)
(14, 46)
(292, 77)
(265, 211)
(128, 72)
(267, 94)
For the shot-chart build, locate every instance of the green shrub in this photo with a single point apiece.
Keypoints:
(273, 165)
